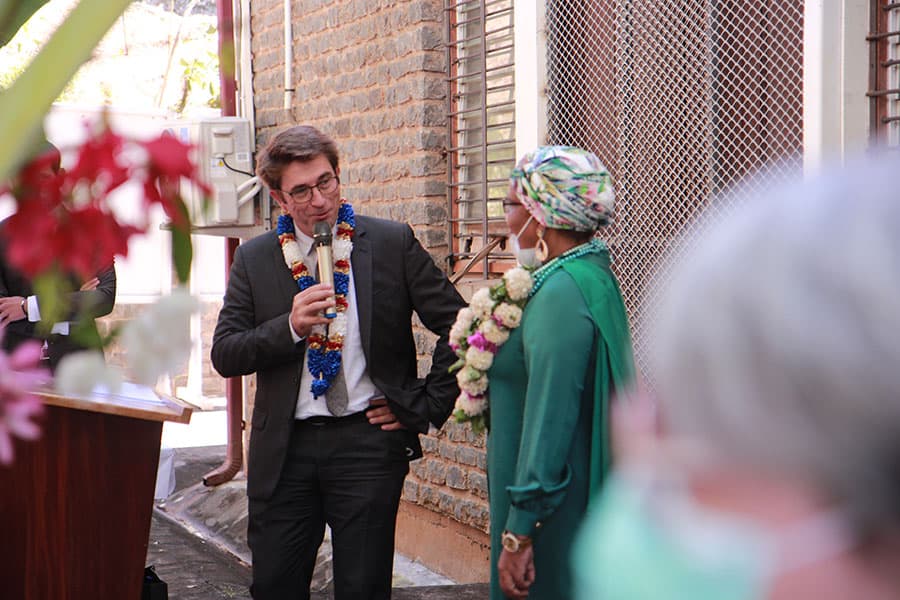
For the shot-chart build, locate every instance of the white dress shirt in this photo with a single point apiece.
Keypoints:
(360, 389)
(34, 315)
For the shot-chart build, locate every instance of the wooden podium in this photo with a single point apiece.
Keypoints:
(75, 505)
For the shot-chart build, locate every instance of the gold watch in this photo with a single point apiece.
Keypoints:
(514, 543)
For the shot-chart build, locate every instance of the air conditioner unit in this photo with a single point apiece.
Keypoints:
(224, 156)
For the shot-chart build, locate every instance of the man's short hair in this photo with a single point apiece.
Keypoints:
(301, 143)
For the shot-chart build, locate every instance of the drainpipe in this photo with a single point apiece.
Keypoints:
(234, 398)
(288, 56)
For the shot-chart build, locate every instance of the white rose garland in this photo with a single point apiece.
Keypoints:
(476, 336)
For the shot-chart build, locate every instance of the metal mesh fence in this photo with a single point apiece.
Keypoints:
(681, 100)
(884, 72)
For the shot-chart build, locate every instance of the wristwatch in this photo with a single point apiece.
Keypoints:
(514, 543)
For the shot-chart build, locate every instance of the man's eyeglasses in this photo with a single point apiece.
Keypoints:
(303, 193)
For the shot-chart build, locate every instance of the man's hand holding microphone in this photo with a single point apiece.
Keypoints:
(316, 304)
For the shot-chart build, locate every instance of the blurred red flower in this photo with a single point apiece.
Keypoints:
(63, 219)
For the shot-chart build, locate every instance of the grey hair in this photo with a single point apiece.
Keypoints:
(778, 343)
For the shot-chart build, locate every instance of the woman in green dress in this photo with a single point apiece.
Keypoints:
(551, 381)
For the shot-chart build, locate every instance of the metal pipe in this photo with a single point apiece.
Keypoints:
(288, 56)
(234, 398)
(234, 451)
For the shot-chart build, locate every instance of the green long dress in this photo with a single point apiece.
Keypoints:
(550, 387)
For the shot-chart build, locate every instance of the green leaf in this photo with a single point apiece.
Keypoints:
(14, 14)
(182, 252)
(52, 290)
(84, 332)
(24, 104)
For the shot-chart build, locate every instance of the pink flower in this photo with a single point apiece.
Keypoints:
(478, 340)
(20, 375)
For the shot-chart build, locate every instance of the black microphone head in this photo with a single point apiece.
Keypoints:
(322, 233)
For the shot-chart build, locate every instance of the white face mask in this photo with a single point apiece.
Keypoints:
(526, 257)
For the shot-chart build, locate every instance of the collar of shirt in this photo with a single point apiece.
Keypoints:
(305, 242)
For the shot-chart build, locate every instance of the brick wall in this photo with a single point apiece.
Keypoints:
(372, 75)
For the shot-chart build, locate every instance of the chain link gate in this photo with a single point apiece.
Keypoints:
(681, 100)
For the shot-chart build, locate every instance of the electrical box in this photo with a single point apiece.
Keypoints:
(224, 156)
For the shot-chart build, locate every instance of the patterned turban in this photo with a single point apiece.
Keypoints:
(564, 188)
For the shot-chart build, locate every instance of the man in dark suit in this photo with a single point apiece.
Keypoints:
(20, 310)
(20, 313)
(337, 456)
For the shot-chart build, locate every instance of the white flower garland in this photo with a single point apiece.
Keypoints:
(476, 336)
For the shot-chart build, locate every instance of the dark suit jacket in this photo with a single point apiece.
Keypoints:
(393, 276)
(92, 304)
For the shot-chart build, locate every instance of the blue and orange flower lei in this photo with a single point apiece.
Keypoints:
(325, 343)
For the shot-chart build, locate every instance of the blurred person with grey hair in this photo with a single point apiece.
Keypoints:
(776, 360)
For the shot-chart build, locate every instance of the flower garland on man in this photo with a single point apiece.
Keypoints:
(324, 343)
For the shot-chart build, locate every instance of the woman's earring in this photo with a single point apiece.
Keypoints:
(541, 251)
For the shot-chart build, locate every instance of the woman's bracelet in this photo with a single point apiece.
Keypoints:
(25, 307)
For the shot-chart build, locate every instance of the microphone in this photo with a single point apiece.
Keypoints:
(325, 256)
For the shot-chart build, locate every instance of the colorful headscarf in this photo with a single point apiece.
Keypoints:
(564, 188)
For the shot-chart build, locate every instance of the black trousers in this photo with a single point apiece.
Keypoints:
(348, 474)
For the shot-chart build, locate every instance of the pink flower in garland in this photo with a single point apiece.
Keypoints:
(477, 340)
(20, 375)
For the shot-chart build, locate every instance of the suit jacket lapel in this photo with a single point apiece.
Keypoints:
(287, 287)
(361, 264)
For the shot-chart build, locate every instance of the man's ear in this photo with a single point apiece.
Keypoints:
(337, 171)
(279, 200)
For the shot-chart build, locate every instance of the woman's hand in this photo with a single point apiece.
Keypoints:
(515, 571)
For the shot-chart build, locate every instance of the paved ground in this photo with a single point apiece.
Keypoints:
(192, 568)
(194, 529)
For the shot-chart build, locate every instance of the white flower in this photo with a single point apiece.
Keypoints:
(462, 327)
(79, 373)
(472, 381)
(518, 283)
(342, 248)
(470, 405)
(482, 303)
(493, 333)
(464, 318)
(510, 315)
(479, 359)
(291, 252)
(458, 336)
(159, 340)
(338, 325)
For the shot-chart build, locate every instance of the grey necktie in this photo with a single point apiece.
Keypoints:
(336, 396)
